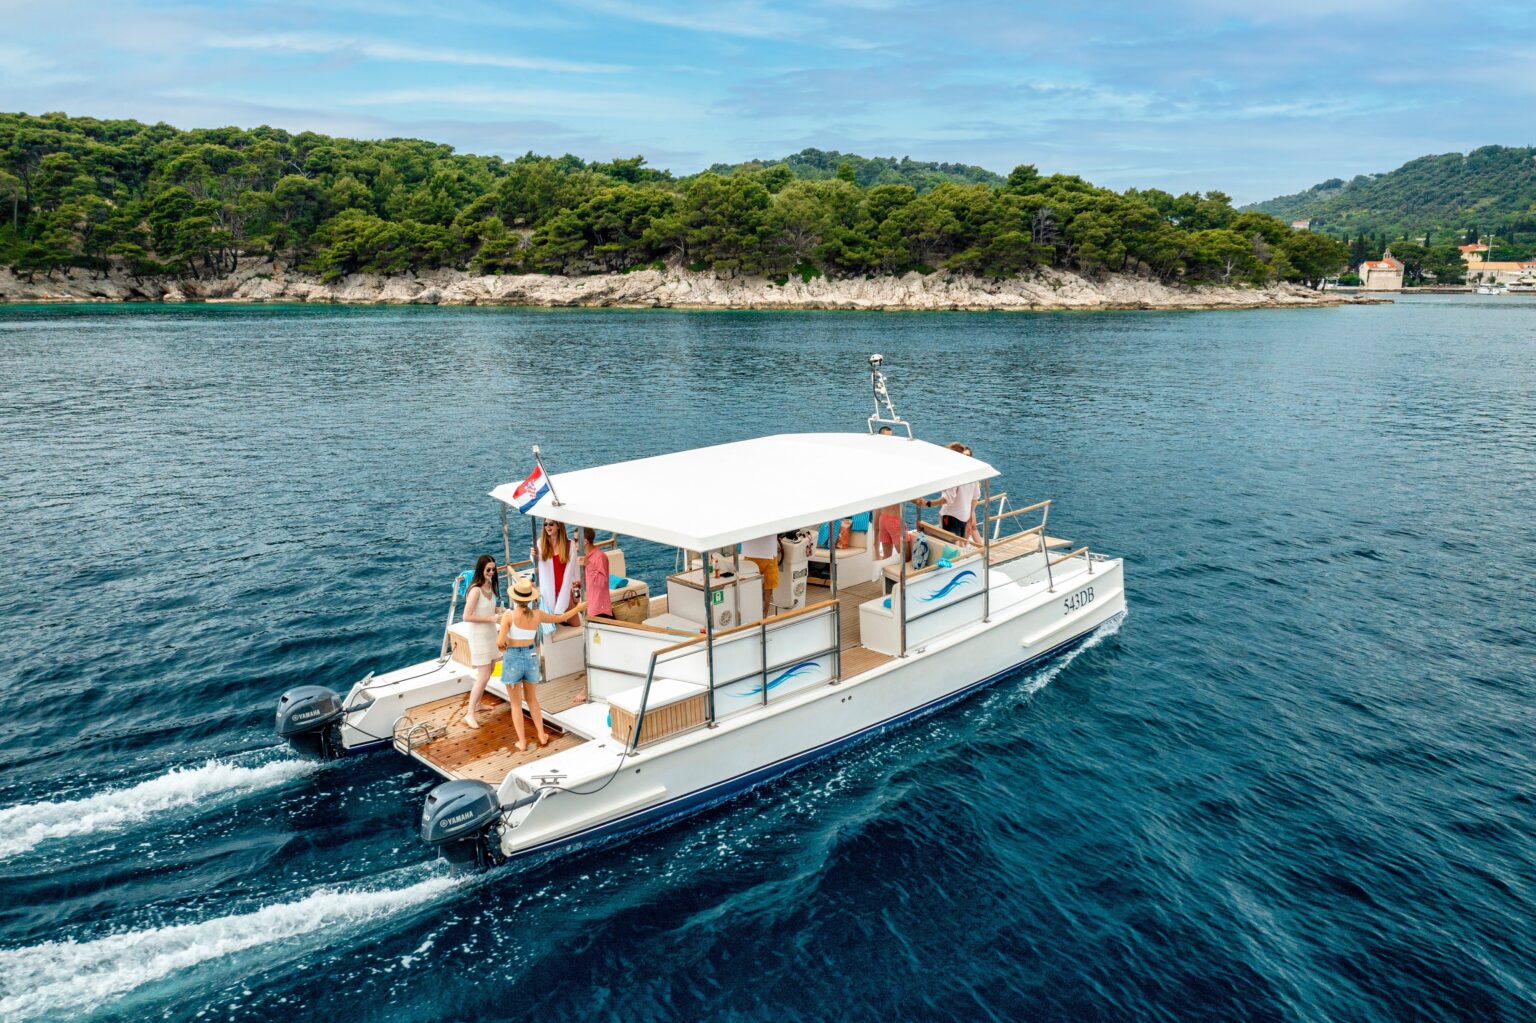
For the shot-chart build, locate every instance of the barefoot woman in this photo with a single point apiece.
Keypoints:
(480, 616)
(520, 658)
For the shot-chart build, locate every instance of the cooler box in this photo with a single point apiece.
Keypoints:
(458, 643)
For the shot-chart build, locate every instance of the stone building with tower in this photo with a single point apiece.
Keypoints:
(1384, 274)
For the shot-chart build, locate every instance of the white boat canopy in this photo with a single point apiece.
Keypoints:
(719, 496)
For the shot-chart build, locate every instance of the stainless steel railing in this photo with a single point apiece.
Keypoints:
(826, 609)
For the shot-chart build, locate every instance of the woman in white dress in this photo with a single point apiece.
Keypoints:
(481, 620)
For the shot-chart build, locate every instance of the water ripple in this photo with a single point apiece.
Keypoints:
(1296, 784)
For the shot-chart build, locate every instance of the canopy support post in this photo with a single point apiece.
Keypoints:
(986, 550)
(901, 611)
(506, 545)
(581, 570)
(832, 552)
(736, 587)
(706, 567)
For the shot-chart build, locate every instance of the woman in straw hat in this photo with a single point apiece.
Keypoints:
(518, 640)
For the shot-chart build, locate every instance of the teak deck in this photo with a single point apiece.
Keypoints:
(562, 693)
(486, 753)
(856, 659)
(1010, 547)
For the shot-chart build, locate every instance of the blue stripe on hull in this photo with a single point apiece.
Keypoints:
(721, 791)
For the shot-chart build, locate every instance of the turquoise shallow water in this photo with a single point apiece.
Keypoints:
(1296, 784)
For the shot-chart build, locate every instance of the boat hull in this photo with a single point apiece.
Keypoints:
(707, 767)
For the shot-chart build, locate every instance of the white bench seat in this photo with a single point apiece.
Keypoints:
(589, 720)
(670, 707)
(675, 622)
(664, 693)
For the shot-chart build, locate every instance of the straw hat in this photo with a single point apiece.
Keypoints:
(523, 591)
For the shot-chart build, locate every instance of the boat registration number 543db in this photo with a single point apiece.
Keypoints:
(1079, 600)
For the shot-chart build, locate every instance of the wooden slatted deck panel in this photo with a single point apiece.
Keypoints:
(856, 658)
(563, 693)
(486, 753)
(1010, 547)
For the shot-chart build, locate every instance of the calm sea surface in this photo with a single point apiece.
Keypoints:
(1297, 783)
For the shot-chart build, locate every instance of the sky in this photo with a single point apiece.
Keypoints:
(1254, 99)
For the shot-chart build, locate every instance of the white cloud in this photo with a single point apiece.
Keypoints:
(25, 67)
(379, 49)
(545, 102)
(746, 18)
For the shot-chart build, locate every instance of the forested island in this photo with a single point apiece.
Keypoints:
(1427, 208)
(155, 202)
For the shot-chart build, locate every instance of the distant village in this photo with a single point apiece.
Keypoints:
(1386, 273)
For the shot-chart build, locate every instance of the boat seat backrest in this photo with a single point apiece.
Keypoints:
(858, 540)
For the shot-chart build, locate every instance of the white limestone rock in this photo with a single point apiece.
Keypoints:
(1050, 289)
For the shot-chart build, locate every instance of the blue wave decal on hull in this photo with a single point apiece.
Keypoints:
(720, 791)
(948, 587)
(798, 669)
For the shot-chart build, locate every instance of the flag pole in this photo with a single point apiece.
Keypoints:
(555, 498)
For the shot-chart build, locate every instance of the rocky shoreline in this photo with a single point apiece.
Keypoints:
(672, 288)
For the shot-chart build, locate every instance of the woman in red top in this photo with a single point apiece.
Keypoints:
(553, 555)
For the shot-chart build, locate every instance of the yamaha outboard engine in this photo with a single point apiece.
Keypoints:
(309, 717)
(462, 820)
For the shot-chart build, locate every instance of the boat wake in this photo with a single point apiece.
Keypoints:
(27, 825)
(1038, 680)
(58, 978)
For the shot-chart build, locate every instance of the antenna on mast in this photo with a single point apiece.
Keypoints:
(885, 413)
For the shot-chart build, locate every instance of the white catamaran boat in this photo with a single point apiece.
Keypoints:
(714, 685)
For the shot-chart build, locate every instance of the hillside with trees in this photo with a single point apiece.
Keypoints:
(84, 192)
(1433, 202)
(867, 172)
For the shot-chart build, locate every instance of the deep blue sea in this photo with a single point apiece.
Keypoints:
(1298, 782)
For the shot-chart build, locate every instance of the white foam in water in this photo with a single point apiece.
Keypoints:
(29, 824)
(57, 978)
(1043, 678)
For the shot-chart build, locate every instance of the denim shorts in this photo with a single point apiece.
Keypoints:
(520, 664)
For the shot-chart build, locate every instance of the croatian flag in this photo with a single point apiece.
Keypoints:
(530, 490)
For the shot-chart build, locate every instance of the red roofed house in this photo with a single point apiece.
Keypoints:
(1473, 253)
(1384, 274)
(1523, 272)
